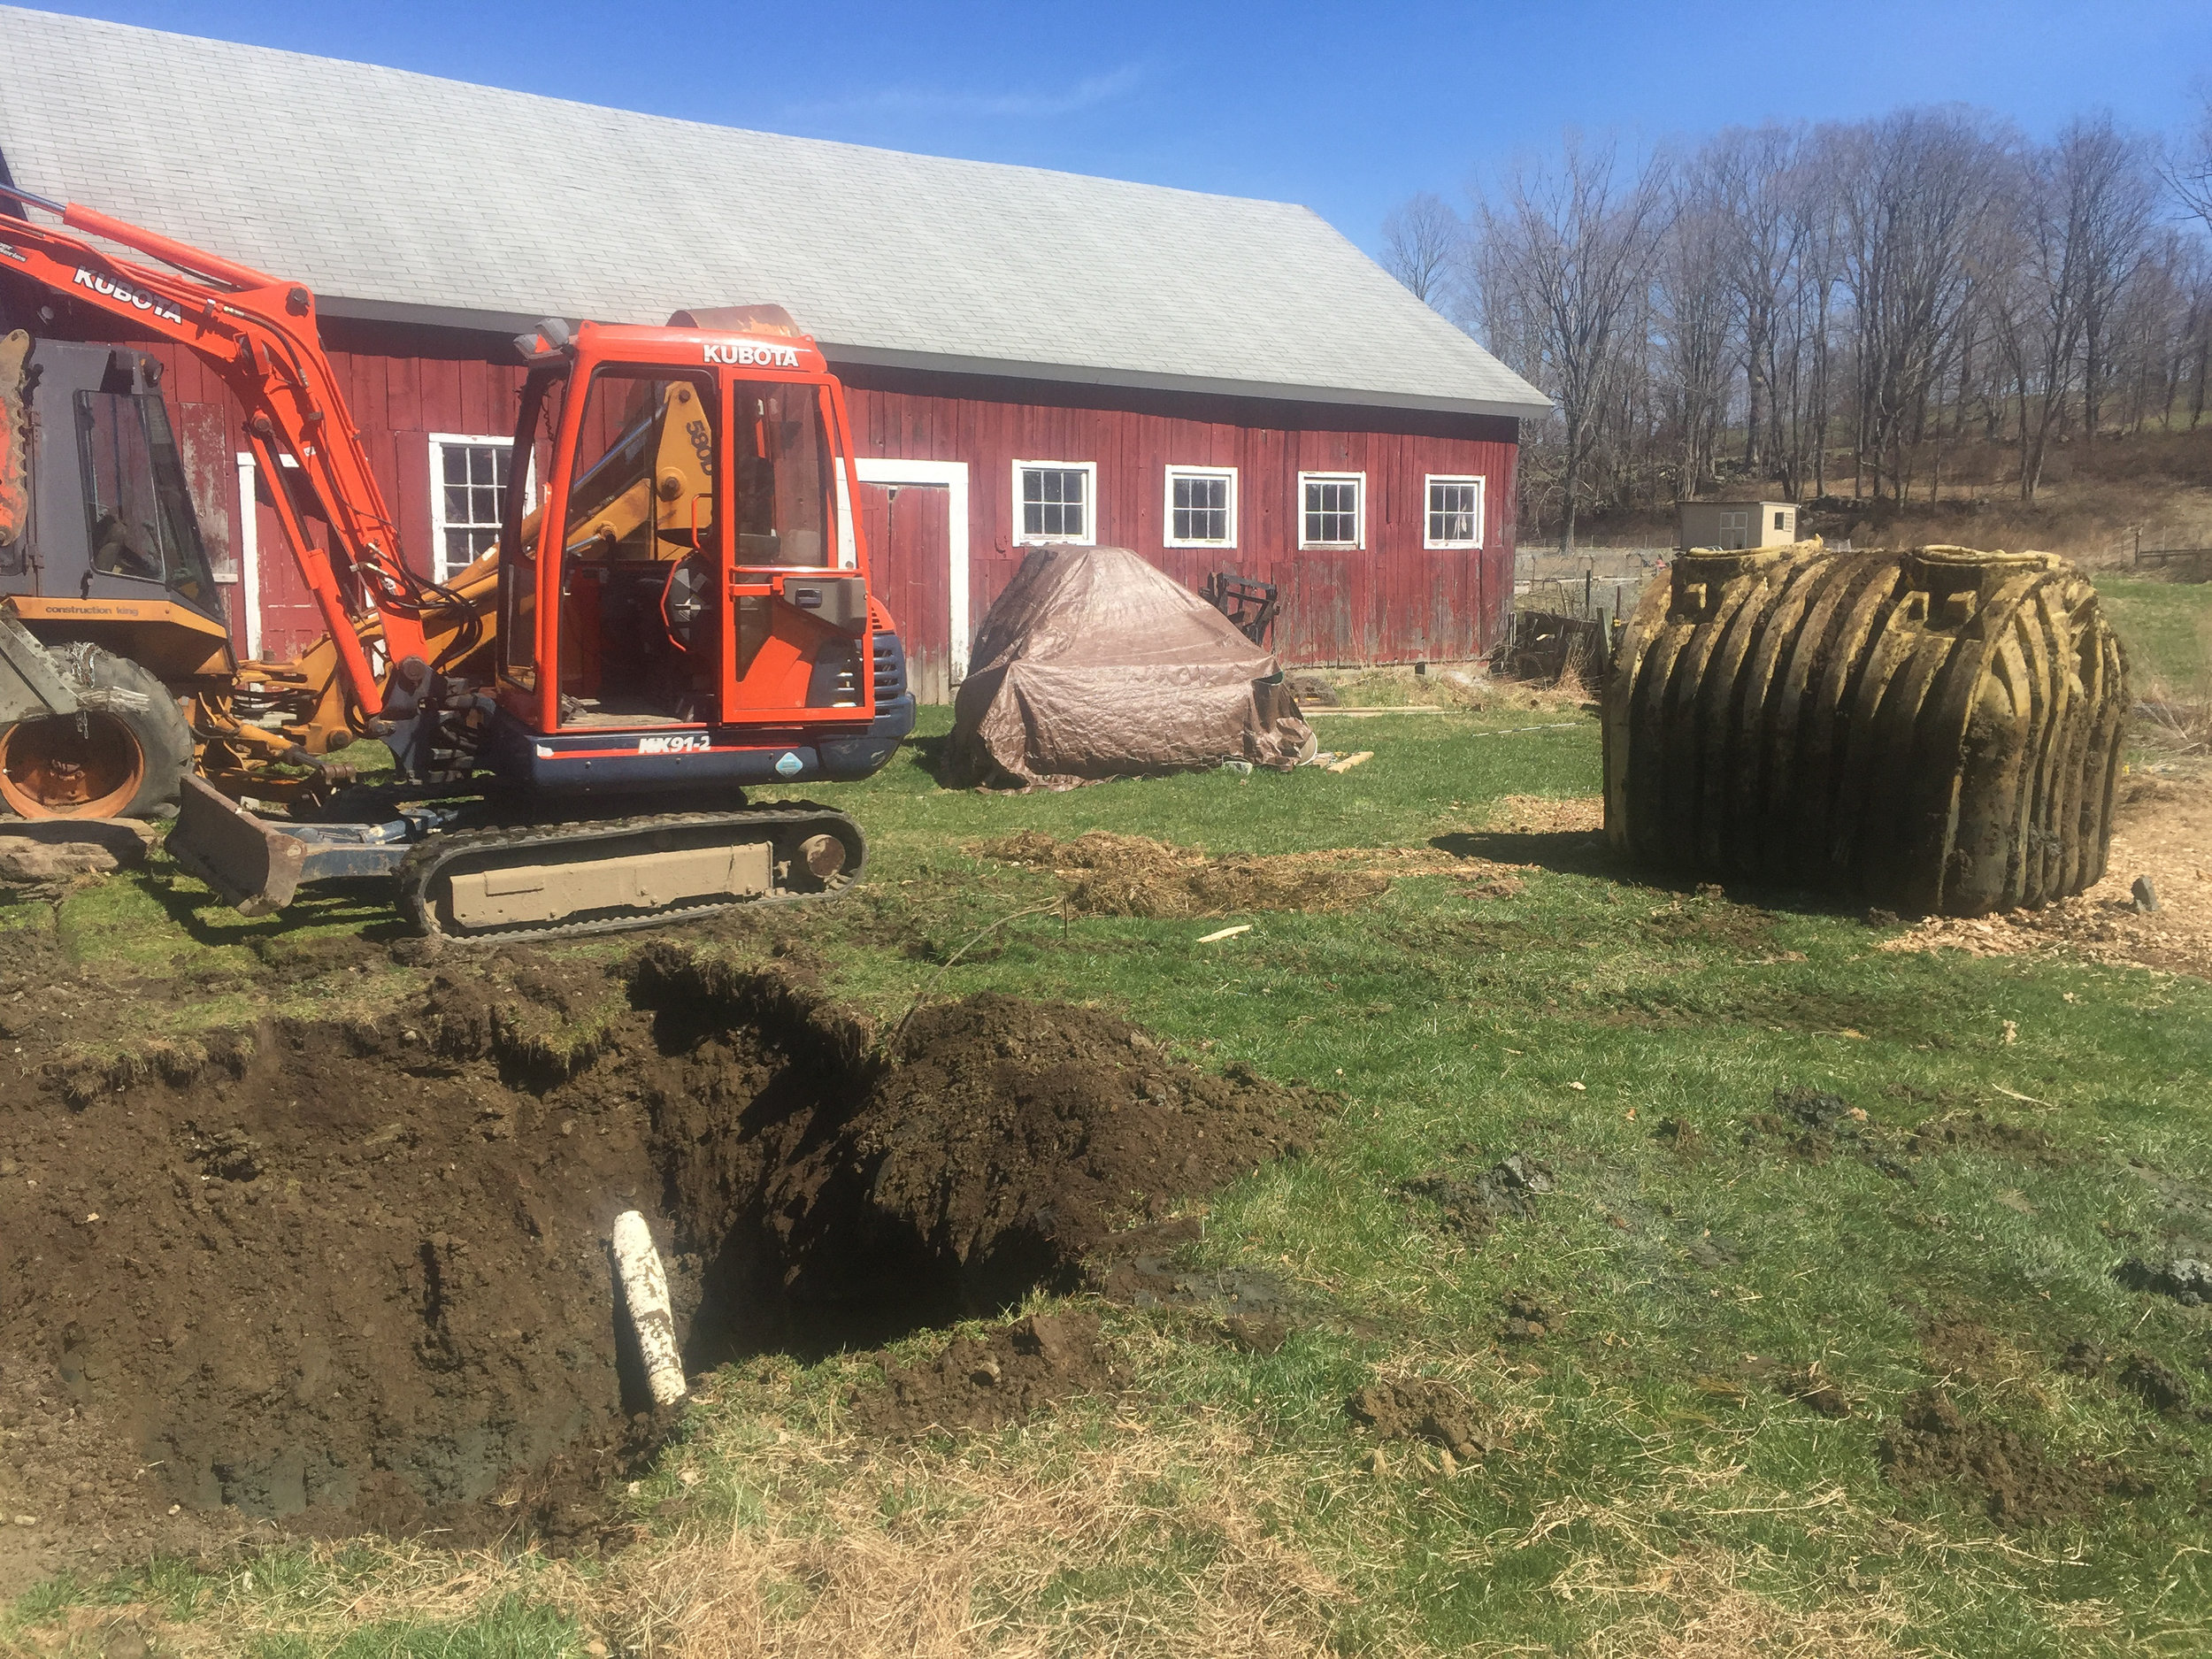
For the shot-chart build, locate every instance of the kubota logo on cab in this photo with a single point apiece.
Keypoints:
(747, 354)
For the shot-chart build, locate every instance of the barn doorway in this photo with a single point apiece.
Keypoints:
(914, 515)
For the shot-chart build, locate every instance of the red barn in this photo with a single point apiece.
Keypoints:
(1219, 383)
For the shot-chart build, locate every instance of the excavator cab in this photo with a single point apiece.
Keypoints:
(689, 606)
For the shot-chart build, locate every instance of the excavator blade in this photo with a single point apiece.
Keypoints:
(252, 865)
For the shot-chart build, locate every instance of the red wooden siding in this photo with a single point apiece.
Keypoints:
(1391, 602)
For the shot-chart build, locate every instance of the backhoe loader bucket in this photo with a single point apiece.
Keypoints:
(252, 865)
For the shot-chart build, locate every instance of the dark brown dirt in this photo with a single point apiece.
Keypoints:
(1816, 1126)
(1952, 1345)
(1971, 1132)
(1106, 874)
(2003, 1470)
(982, 1382)
(1420, 1408)
(1475, 1206)
(2157, 1384)
(351, 1276)
(1815, 1390)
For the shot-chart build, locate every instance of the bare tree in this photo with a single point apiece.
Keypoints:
(1914, 192)
(2113, 177)
(1422, 238)
(1571, 250)
(2189, 171)
(1903, 286)
(1753, 174)
(2035, 251)
(1697, 317)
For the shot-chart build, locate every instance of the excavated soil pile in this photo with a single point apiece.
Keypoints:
(1106, 874)
(981, 1382)
(2005, 1472)
(353, 1275)
(1420, 1408)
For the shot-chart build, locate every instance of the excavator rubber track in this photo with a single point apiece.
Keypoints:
(611, 875)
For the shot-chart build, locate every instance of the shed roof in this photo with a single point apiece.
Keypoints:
(409, 197)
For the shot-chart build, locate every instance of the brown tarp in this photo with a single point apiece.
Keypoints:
(1095, 664)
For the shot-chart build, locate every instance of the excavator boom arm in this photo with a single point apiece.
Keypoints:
(258, 335)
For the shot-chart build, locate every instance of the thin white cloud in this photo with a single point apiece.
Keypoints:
(1086, 94)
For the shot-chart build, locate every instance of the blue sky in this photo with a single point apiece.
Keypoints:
(1346, 110)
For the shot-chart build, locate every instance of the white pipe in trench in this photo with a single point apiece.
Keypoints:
(645, 1291)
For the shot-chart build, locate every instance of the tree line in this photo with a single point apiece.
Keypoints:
(1812, 307)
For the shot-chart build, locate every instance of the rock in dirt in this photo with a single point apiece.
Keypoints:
(46, 851)
(981, 1382)
(1420, 1408)
(2004, 1470)
(2185, 1277)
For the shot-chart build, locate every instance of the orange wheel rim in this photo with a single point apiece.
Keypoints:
(71, 765)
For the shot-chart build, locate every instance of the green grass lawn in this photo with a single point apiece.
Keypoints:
(1653, 1480)
(2168, 628)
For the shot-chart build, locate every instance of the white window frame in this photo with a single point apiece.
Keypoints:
(1358, 543)
(1429, 482)
(1090, 538)
(1167, 505)
(438, 525)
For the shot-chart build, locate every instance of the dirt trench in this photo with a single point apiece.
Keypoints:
(347, 1276)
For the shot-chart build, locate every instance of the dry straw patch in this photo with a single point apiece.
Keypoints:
(2164, 832)
(1076, 1535)
(1696, 1607)
(1107, 874)
(1549, 815)
(990, 1547)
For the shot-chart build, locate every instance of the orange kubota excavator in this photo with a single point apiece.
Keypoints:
(687, 612)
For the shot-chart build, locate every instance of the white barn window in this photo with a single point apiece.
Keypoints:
(1054, 501)
(1333, 510)
(1202, 506)
(469, 479)
(1455, 513)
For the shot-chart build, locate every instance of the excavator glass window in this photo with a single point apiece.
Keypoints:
(786, 488)
(544, 395)
(137, 509)
(641, 537)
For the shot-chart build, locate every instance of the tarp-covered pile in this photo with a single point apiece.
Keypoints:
(1095, 664)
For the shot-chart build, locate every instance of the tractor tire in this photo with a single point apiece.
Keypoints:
(123, 754)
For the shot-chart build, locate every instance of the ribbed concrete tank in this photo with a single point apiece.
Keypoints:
(1934, 731)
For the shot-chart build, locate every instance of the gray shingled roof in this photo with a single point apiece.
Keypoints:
(402, 196)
